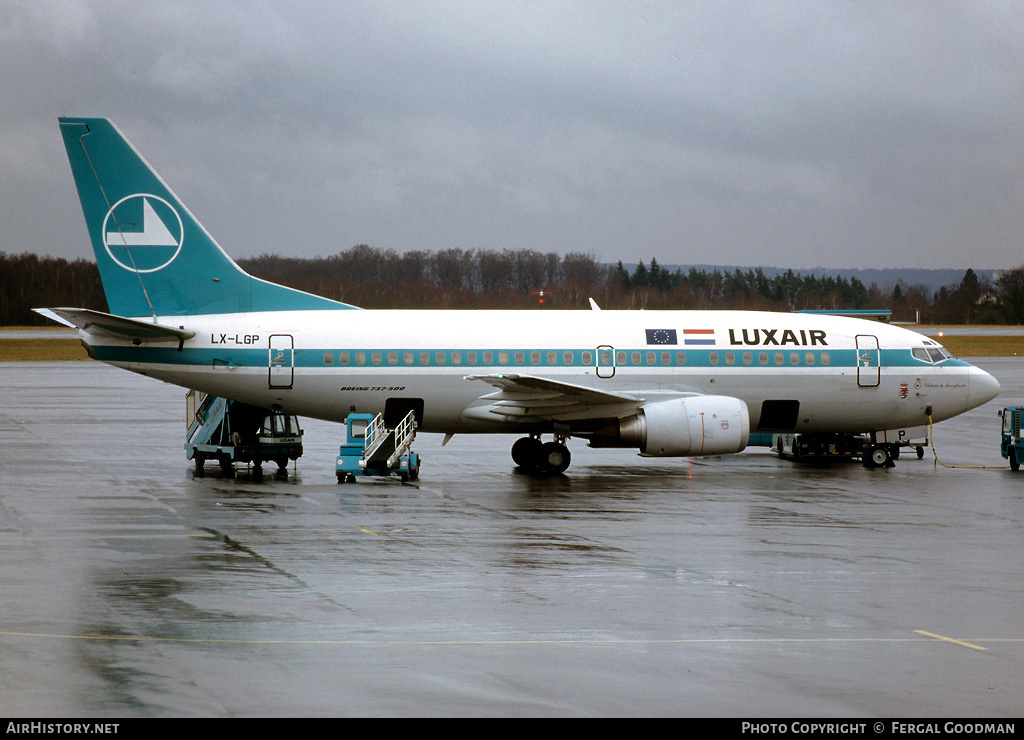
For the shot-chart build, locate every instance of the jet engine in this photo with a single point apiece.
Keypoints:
(681, 427)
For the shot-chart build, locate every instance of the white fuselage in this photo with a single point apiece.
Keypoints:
(847, 375)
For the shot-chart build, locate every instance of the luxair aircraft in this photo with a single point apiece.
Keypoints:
(669, 383)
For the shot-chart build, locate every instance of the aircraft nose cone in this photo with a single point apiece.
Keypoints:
(981, 388)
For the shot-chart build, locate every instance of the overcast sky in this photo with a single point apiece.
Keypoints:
(801, 134)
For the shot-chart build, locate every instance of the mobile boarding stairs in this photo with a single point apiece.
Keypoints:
(373, 449)
(233, 432)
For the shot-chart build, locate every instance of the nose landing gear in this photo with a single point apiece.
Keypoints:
(541, 458)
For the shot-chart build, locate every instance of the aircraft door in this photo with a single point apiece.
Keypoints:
(281, 361)
(869, 362)
(605, 361)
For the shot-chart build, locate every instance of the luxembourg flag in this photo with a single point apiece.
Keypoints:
(699, 337)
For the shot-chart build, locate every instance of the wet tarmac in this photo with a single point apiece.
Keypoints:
(737, 586)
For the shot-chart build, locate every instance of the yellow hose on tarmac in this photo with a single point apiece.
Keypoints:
(931, 442)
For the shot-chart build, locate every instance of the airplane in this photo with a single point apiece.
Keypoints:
(668, 383)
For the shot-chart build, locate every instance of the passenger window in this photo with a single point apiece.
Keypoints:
(588, 358)
(439, 358)
(424, 358)
(471, 358)
(552, 358)
(328, 358)
(392, 358)
(635, 358)
(456, 358)
(680, 358)
(567, 358)
(343, 358)
(535, 358)
(488, 358)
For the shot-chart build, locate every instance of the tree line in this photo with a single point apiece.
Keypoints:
(456, 278)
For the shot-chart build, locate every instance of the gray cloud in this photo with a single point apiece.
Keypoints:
(806, 134)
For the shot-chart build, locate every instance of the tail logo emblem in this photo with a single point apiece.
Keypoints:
(142, 233)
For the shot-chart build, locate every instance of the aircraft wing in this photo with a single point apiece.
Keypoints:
(97, 322)
(527, 398)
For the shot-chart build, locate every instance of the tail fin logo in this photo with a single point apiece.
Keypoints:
(142, 233)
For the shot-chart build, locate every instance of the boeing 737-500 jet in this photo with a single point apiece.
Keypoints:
(668, 383)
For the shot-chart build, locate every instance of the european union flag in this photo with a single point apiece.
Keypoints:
(662, 336)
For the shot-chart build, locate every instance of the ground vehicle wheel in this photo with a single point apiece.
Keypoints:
(526, 451)
(878, 457)
(554, 458)
(1014, 462)
(920, 452)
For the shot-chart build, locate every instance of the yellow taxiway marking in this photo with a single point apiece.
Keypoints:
(962, 643)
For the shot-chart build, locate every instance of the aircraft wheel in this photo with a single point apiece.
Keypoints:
(554, 458)
(1014, 462)
(526, 451)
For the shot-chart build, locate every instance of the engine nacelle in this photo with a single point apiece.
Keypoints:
(681, 427)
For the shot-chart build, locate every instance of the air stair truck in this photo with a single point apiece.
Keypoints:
(372, 449)
(233, 432)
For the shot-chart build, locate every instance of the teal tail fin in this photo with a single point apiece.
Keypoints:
(154, 257)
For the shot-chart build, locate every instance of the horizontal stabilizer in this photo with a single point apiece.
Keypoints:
(97, 322)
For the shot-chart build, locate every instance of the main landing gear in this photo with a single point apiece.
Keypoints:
(541, 458)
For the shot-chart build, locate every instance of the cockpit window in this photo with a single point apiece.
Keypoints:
(933, 354)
